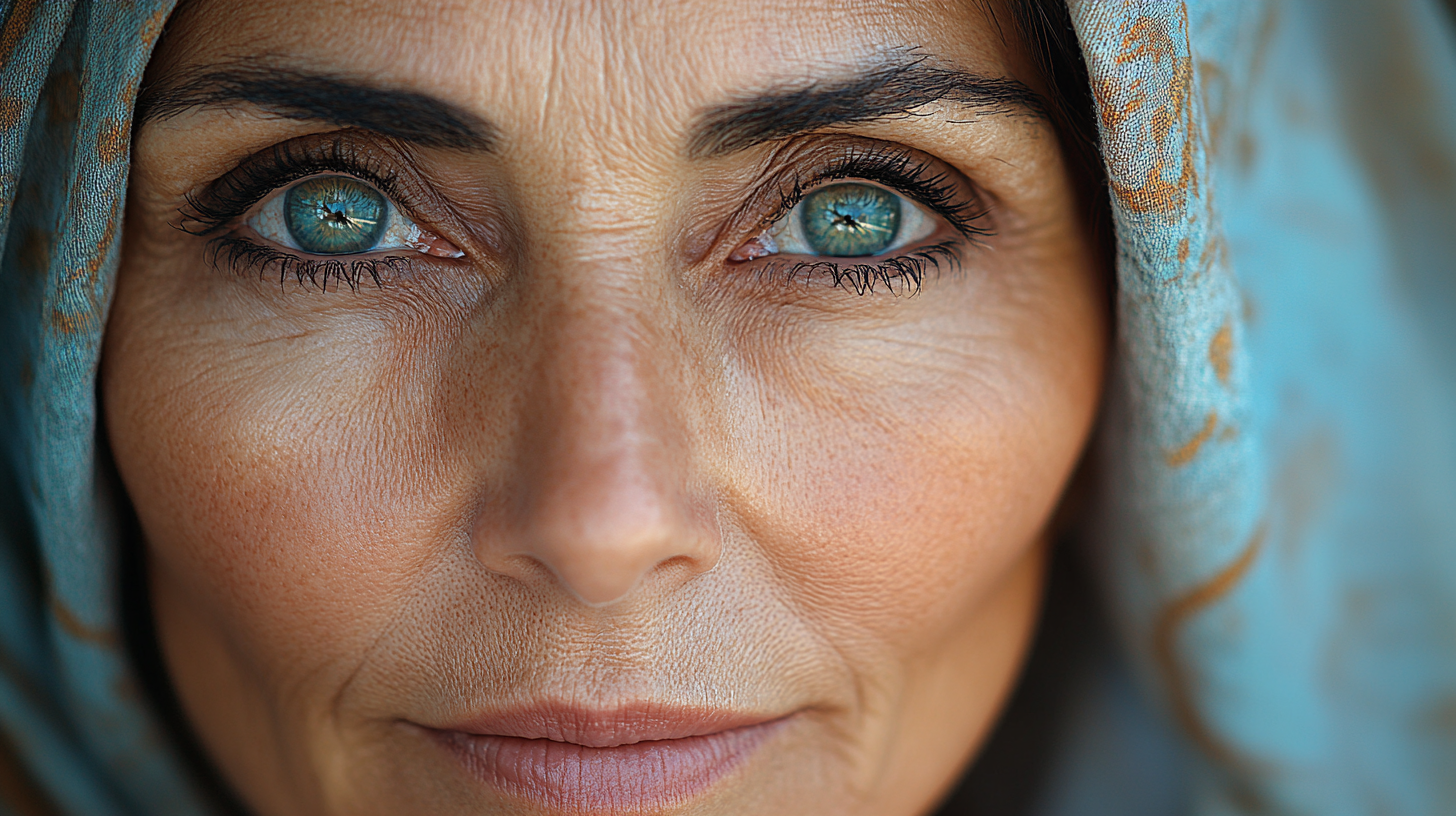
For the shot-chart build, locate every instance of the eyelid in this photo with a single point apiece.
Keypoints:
(381, 163)
(805, 165)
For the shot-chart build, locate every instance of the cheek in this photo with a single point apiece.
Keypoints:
(280, 485)
(891, 533)
(906, 467)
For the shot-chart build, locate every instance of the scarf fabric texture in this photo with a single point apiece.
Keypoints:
(1275, 531)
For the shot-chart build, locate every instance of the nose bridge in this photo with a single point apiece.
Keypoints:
(602, 467)
(597, 402)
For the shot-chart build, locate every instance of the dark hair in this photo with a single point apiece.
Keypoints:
(1045, 28)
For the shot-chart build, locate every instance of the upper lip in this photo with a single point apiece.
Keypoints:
(605, 728)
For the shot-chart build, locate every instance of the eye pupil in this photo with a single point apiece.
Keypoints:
(848, 220)
(334, 215)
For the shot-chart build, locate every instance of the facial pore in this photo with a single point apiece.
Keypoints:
(603, 488)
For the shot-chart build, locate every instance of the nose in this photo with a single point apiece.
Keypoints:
(603, 495)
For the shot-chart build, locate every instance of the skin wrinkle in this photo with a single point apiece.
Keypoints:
(593, 462)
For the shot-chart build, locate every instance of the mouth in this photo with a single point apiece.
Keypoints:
(630, 760)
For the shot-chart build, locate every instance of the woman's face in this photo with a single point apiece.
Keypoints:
(597, 408)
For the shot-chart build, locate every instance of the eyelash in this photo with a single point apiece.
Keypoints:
(897, 169)
(900, 275)
(234, 194)
(240, 255)
(252, 181)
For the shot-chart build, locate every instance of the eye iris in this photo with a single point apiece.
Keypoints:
(334, 215)
(846, 220)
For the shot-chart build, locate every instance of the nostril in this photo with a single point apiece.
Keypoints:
(598, 572)
(598, 582)
(602, 557)
(598, 488)
(600, 539)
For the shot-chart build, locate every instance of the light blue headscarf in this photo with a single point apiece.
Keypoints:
(1278, 460)
(1277, 530)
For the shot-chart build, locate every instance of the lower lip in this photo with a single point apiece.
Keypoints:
(642, 777)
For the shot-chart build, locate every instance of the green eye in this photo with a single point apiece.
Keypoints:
(341, 215)
(334, 215)
(849, 220)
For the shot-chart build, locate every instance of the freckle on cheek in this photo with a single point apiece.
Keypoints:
(906, 531)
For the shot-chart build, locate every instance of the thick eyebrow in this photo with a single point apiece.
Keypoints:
(297, 94)
(885, 91)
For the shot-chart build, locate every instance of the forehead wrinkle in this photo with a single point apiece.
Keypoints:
(624, 70)
(579, 86)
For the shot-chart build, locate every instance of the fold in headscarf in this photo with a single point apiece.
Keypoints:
(1276, 532)
(77, 733)
(1278, 461)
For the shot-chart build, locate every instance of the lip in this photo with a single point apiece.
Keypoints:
(634, 759)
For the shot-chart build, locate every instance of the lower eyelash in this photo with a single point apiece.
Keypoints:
(242, 256)
(900, 276)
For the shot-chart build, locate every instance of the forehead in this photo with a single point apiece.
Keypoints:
(647, 63)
